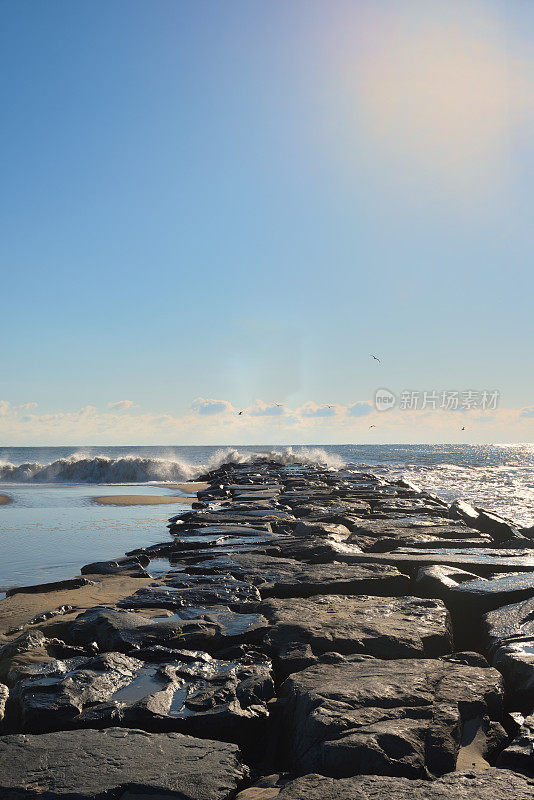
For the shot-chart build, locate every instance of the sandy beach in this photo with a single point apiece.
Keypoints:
(106, 590)
(141, 499)
(5, 500)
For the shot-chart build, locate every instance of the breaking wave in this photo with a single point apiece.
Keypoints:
(136, 469)
(98, 469)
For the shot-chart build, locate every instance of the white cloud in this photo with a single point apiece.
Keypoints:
(261, 409)
(360, 409)
(311, 409)
(215, 421)
(122, 405)
(208, 406)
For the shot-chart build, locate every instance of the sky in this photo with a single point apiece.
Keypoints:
(209, 207)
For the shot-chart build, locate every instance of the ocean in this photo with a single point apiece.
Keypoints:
(53, 527)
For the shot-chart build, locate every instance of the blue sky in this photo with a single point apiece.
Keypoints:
(238, 202)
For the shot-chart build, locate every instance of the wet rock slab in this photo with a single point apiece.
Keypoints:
(466, 592)
(484, 784)
(401, 717)
(519, 755)
(91, 765)
(198, 591)
(482, 562)
(281, 577)
(190, 693)
(509, 634)
(403, 627)
(196, 628)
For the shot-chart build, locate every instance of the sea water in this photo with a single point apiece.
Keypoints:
(53, 526)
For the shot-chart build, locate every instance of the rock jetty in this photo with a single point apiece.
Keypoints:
(303, 633)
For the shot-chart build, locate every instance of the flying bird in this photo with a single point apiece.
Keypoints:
(372, 426)
(330, 406)
(279, 405)
(463, 429)
(376, 359)
(239, 413)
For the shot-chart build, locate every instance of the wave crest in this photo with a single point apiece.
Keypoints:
(80, 468)
(98, 469)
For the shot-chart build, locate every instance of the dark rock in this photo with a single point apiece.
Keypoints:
(194, 693)
(480, 561)
(403, 627)
(422, 541)
(58, 586)
(468, 596)
(125, 631)
(410, 526)
(483, 784)
(399, 717)
(509, 634)
(33, 646)
(280, 577)
(519, 755)
(411, 506)
(88, 765)
(317, 550)
(198, 591)
(499, 529)
(134, 567)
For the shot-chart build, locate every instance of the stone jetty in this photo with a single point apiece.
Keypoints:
(303, 633)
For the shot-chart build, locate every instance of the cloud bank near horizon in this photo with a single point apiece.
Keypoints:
(215, 421)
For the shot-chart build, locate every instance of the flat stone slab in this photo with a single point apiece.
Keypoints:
(480, 561)
(281, 577)
(385, 627)
(500, 784)
(197, 591)
(509, 635)
(400, 717)
(191, 693)
(465, 590)
(194, 628)
(88, 765)
(423, 542)
(380, 528)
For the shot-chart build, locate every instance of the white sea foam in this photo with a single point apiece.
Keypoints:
(83, 468)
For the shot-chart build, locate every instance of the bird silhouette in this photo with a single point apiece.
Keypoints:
(239, 413)
(463, 429)
(376, 359)
(372, 426)
(279, 405)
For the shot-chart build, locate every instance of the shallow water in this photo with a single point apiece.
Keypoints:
(51, 530)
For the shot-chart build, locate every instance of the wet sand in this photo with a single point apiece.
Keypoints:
(5, 499)
(141, 499)
(106, 590)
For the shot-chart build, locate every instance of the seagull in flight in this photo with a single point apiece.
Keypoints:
(463, 429)
(372, 426)
(376, 359)
(330, 406)
(279, 405)
(239, 413)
